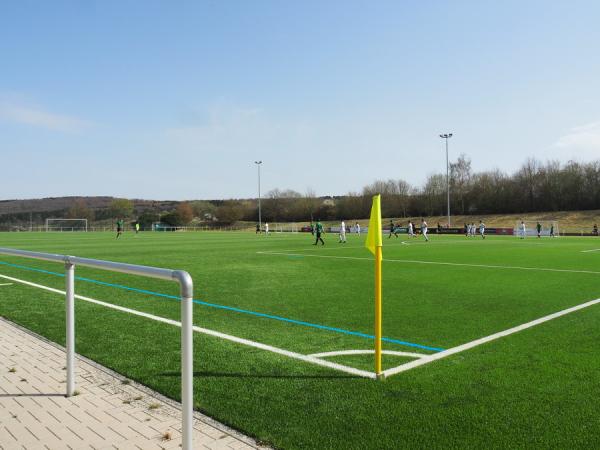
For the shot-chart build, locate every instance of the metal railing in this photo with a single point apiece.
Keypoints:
(186, 289)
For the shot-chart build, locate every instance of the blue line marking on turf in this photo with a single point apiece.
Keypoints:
(231, 308)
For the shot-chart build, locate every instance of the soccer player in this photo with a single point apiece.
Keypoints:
(523, 230)
(119, 228)
(552, 230)
(312, 228)
(424, 229)
(539, 230)
(595, 230)
(137, 227)
(392, 229)
(482, 229)
(257, 229)
(266, 229)
(343, 233)
(358, 228)
(466, 230)
(319, 231)
(411, 231)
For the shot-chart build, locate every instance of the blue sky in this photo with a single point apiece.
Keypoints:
(175, 100)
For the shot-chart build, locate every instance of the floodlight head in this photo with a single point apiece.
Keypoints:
(450, 135)
(442, 136)
(257, 162)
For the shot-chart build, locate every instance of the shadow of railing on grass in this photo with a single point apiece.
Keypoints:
(259, 375)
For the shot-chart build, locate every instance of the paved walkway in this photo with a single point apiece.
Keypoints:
(110, 411)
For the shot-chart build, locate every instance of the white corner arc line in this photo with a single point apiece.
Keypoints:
(238, 340)
(368, 352)
(441, 263)
(483, 340)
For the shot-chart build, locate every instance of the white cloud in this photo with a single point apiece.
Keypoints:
(582, 142)
(39, 118)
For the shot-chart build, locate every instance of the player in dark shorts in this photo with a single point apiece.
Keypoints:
(392, 229)
(539, 229)
(319, 231)
(257, 229)
(119, 228)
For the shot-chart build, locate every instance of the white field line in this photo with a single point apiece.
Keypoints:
(5, 284)
(483, 340)
(593, 250)
(279, 351)
(368, 352)
(411, 261)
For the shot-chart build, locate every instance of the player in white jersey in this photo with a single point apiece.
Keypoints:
(267, 229)
(358, 228)
(523, 230)
(482, 229)
(343, 232)
(424, 229)
(411, 230)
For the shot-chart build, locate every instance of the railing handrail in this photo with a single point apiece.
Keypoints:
(186, 288)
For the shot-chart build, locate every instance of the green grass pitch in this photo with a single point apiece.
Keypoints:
(536, 388)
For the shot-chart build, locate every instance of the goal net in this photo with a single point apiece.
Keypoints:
(527, 228)
(66, 225)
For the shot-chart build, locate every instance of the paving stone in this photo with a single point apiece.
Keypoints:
(35, 414)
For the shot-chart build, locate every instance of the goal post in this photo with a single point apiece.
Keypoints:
(529, 228)
(57, 224)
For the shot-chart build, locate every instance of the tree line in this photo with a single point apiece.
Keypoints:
(534, 187)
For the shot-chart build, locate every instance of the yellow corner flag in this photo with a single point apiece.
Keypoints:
(374, 238)
(373, 243)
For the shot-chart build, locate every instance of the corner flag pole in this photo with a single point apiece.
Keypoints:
(374, 243)
(378, 315)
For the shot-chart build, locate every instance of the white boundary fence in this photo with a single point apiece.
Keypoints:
(186, 289)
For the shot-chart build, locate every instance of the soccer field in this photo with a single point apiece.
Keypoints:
(274, 313)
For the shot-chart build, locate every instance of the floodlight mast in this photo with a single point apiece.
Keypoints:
(258, 163)
(447, 136)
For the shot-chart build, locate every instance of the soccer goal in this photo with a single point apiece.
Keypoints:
(528, 228)
(66, 225)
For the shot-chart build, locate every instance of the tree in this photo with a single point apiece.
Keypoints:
(121, 207)
(79, 210)
(203, 209)
(434, 190)
(185, 213)
(460, 178)
(230, 212)
(147, 218)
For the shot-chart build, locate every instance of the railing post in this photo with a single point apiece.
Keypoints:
(70, 319)
(187, 360)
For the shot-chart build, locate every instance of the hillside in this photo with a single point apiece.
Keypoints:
(50, 204)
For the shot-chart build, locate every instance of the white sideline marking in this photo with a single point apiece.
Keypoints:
(588, 251)
(469, 345)
(367, 352)
(410, 261)
(5, 284)
(294, 355)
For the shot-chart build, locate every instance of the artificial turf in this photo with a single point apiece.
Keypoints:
(535, 388)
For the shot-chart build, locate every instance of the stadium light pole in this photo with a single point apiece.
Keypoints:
(447, 136)
(258, 163)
